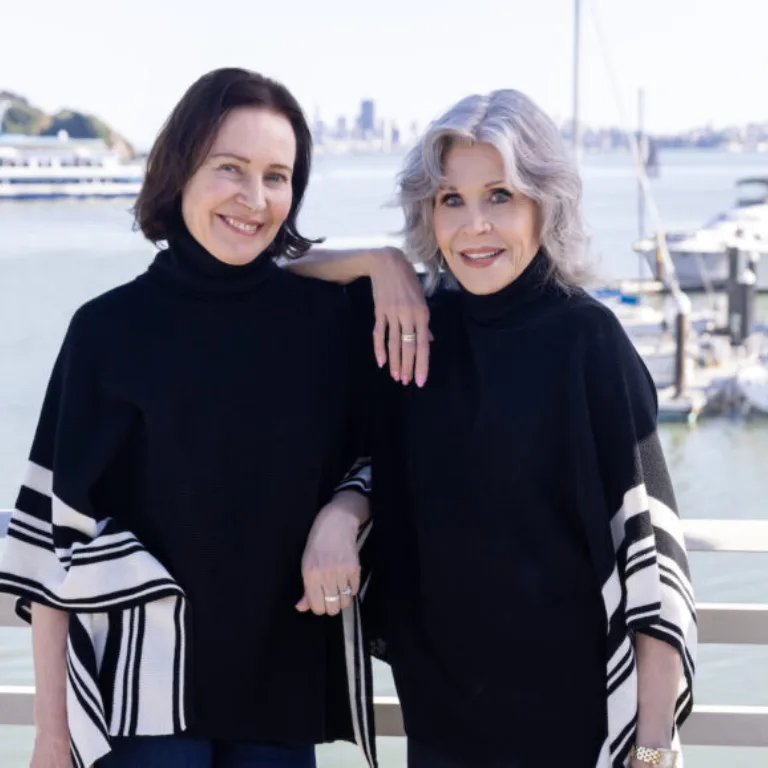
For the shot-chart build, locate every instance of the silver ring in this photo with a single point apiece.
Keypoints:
(347, 591)
(408, 338)
(332, 598)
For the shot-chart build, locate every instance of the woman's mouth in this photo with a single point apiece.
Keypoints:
(242, 227)
(480, 257)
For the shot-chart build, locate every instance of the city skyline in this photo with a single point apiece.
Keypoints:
(370, 128)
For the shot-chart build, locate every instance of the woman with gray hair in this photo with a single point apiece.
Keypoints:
(531, 582)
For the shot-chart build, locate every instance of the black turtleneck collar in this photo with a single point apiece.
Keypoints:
(190, 267)
(515, 299)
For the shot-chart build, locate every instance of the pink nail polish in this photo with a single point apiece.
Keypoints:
(421, 380)
(396, 376)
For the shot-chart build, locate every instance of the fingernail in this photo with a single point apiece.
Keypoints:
(405, 380)
(381, 361)
(396, 376)
(421, 380)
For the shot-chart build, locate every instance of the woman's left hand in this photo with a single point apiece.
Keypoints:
(401, 311)
(330, 566)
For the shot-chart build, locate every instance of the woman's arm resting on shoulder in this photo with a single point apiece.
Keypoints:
(335, 266)
(399, 304)
(49, 649)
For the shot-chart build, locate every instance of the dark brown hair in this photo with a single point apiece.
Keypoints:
(186, 138)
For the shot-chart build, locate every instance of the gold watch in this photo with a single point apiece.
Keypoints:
(660, 758)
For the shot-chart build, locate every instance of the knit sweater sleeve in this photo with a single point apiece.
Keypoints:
(80, 429)
(647, 587)
(359, 476)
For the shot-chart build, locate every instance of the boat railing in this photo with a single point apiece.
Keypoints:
(722, 623)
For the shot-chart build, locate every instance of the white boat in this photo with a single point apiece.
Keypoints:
(640, 321)
(651, 330)
(37, 167)
(700, 257)
(752, 385)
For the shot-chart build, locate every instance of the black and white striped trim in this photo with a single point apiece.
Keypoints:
(360, 694)
(358, 477)
(648, 590)
(127, 617)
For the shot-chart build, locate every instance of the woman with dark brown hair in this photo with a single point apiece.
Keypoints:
(196, 420)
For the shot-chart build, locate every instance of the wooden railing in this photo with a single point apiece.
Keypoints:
(709, 725)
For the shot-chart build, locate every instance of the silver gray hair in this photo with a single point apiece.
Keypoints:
(537, 162)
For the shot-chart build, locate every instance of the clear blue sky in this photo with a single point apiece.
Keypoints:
(128, 61)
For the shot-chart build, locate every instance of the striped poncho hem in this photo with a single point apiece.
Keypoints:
(648, 591)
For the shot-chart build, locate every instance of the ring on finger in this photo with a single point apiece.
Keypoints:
(346, 592)
(332, 598)
(408, 338)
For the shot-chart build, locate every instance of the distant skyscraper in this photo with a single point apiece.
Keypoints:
(367, 116)
(318, 128)
(318, 132)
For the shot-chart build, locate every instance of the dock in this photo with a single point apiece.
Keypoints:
(685, 408)
(709, 392)
(698, 360)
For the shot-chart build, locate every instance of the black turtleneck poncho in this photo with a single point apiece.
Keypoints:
(495, 489)
(210, 410)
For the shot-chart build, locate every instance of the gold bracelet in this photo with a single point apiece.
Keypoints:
(660, 758)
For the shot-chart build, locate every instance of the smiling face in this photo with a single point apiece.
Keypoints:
(488, 233)
(237, 200)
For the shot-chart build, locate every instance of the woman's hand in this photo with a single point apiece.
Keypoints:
(401, 333)
(330, 566)
(399, 302)
(50, 751)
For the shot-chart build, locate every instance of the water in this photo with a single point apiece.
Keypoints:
(54, 256)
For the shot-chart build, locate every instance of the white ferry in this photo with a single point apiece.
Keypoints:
(50, 167)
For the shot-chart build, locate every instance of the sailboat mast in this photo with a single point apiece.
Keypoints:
(643, 148)
(575, 94)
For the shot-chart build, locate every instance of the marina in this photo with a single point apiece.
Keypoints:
(707, 363)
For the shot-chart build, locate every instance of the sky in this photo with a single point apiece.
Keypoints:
(128, 61)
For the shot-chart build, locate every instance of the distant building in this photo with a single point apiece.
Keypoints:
(367, 121)
(341, 127)
(318, 132)
(318, 128)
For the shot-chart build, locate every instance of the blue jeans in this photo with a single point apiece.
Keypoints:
(180, 752)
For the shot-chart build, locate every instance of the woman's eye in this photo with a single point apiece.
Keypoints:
(229, 168)
(279, 177)
(451, 200)
(500, 196)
